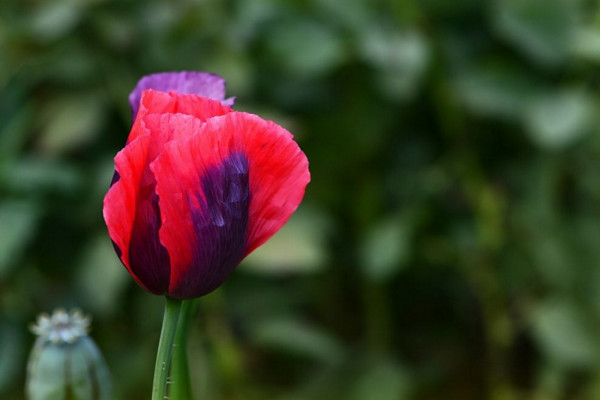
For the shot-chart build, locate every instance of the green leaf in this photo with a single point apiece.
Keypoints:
(299, 247)
(401, 57)
(386, 379)
(542, 29)
(306, 48)
(386, 248)
(586, 43)
(560, 119)
(353, 14)
(496, 90)
(564, 333)
(18, 223)
(101, 276)
(71, 122)
(55, 19)
(35, 175)
(298, 338)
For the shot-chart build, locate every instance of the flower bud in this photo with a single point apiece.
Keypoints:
(65, 363)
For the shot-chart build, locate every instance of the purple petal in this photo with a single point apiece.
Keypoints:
(228, 102)
(220, 222)
(185, 82)
(148, 258)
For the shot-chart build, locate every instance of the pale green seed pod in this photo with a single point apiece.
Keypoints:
(65, 363)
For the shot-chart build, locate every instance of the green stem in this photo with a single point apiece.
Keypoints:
(165, 348)
(182, 388)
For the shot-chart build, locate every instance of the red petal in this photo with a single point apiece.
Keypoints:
(155, 102)
(278, 176)
(200, 183)
(131, 205)
(120, 203)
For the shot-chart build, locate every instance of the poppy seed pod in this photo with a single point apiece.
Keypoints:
(65, 363)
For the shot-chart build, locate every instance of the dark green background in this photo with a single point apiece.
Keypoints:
(448, 246)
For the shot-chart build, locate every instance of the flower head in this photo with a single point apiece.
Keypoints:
(198, 187)
(61, 327)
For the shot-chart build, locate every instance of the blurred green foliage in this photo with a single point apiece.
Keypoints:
(449, 243)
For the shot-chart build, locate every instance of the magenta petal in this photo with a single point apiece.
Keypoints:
(185, 82)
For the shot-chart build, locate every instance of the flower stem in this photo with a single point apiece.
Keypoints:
(165, 348)
(181, 389)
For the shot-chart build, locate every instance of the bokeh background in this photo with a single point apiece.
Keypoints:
(449, 243)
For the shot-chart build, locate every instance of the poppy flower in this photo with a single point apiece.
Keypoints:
(198, 186)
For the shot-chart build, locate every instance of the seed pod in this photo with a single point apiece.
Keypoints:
(65, 363)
